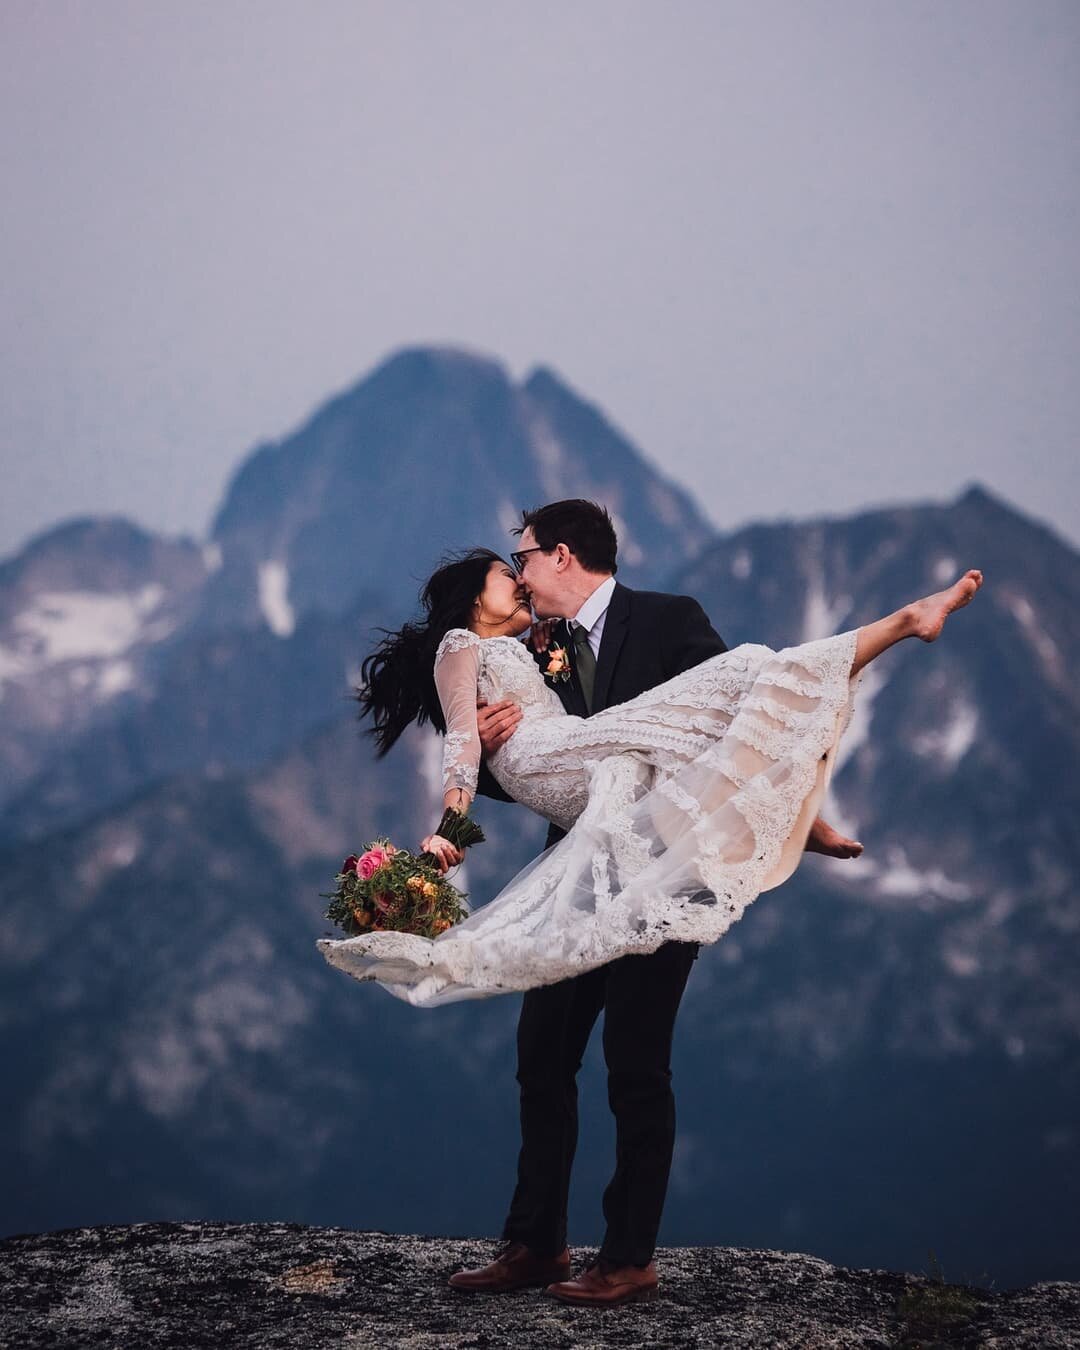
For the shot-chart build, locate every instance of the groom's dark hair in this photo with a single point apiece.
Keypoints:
(584, 527)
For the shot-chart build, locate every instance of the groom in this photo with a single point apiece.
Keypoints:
(620, 642)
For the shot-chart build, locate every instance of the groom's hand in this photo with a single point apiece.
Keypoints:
(539, 639)
(496, 723)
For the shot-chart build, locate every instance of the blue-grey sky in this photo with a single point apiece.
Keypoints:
(808, 256)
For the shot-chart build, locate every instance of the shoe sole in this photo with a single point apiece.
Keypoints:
(502, 1288)
(636, 1296)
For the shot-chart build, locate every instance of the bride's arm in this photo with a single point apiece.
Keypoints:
(455, 682)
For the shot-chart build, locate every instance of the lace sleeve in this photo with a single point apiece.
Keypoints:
(457, 665)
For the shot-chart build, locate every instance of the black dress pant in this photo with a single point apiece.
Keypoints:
(640, 995)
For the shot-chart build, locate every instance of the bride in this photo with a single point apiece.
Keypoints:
(681, 805)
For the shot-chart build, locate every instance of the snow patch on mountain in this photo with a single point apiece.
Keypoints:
(951, 742)
(509, 517)
(10, 665)
(117, 847)
(900, 878)
(274, 598)
(895, 877)
(872, 682)
(171, 1058)
(114, 677)
(630, 551)
(960, 963)
(1023, 611)
(69, 625)
(742, 564)
(62, 626)
(549, 457)
(820, 618)
(665, 505)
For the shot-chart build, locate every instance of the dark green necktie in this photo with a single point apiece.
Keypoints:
(584, 663)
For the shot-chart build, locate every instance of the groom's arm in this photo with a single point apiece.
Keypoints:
(486, 786)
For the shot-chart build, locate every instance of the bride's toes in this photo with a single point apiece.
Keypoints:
(824, 839)
(966, 587)
(928, 616)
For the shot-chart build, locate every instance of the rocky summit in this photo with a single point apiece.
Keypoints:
(186, 1285)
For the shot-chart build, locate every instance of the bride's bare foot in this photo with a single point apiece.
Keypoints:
(927, 616)
(824, 839)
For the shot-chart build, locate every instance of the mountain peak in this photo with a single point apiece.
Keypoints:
(83, 546)
(439, 363)
(544, 383)
(103, 531)
(993, 512)
(977, 494)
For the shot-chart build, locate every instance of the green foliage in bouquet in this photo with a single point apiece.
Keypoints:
(386, 889)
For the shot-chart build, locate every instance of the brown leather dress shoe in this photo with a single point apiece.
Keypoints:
(515, 1267)
(604, 1285)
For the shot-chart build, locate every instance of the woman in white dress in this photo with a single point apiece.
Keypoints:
(682, 805)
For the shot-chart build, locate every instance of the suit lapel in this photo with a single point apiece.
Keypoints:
(615, 624)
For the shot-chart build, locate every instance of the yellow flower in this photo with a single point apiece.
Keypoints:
(415, 883)
(430, 890)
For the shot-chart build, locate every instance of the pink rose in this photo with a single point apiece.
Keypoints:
(370, 862)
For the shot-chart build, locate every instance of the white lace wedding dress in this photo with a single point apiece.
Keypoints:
(682, 806)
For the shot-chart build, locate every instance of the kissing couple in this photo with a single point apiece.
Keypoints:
(681, 779)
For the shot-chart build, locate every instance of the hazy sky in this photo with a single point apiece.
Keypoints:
(808, 256)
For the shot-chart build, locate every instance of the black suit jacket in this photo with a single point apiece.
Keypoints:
(648, 637)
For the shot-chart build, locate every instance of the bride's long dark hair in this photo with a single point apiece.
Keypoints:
(397, 680)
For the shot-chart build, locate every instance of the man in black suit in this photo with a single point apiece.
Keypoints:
(639, 639)
(620, 643)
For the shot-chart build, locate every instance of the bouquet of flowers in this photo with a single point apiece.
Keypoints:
(386, 889)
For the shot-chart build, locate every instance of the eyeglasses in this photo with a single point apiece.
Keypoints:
(518, 559)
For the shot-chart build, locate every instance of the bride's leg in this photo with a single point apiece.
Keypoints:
(923, 619)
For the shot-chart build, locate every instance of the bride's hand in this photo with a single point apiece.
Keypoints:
(443, 850)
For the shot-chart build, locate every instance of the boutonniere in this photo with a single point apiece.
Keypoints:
(558, 666)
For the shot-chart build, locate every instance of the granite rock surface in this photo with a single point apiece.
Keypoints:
(178, 1286)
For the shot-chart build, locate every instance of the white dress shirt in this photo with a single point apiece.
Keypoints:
(593, 612)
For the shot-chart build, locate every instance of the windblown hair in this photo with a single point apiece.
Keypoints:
(584, 527)
(397, 680)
